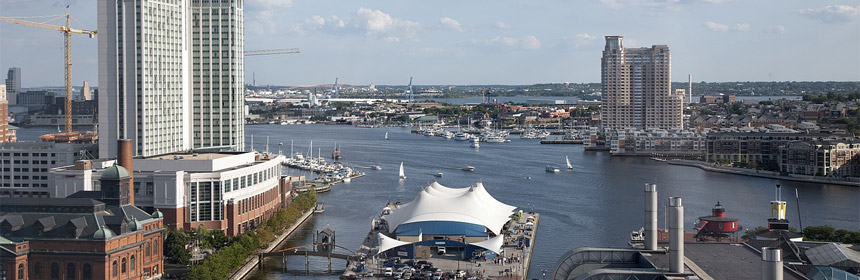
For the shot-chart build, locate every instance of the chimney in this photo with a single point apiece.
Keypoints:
(650, 217)
(124, 158)
(676, 235)
(771, 266)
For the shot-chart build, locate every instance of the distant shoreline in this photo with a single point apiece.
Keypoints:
(760, 173)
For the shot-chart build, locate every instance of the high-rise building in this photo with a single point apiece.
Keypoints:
(143, 76)
(6, 134)
(13, 85)
(637, 89)
(217, 90)
(86, 93)
(171, 75)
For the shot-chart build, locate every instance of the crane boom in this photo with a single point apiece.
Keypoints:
(67, 46)
(271, 52)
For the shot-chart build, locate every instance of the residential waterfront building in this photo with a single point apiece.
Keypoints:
(758, 147)
(83, 237)
(636, 88)
(656, 142)
(13, 85)
(832, 158)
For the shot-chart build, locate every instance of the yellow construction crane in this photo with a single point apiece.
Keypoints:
(67, 36)
(270, 52)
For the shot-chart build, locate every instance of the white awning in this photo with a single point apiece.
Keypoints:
(439, 203)
(493, 244)
(387, 243)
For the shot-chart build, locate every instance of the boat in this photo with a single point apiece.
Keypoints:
(468, 168)
(335, 155)
(552, 169)
(347, 179)
(461, 136)
(402, 174)
(439, 174)
(386, 135)
(475, 143)
(375, 167)
(496, 138)
(567, 160)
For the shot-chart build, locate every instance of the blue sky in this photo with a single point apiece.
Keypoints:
(491, 42)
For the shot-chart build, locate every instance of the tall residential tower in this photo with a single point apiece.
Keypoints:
(637, 89)
(13, 85)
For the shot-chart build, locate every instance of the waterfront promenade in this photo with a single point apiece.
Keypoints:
(253, 261)
(707, 166)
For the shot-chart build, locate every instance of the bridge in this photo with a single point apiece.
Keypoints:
(309, 251)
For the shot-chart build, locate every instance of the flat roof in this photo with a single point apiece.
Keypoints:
(194, 156)
(722, 260)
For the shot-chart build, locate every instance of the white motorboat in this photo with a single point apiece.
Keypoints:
(469, 168)
(439, 174)
(552, 169)
(376, 167)
(461, 136)
(475, 143)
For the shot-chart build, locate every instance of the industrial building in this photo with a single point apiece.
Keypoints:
(24, 166)
(457, 219)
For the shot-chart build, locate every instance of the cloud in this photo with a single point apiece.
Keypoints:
(451, 24)
(742, 27)
(658, 6)
(529, 42)
(262, 14)
(832, 14)
(502, 25)
(717, 26)
(583, 39)
(365, 21)
(779, 29)
(376, 22)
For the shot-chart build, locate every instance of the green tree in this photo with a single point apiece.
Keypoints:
(174, 247)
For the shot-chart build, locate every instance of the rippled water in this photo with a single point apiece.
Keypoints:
(597, 204)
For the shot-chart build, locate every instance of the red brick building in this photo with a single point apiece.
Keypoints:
(82, 238)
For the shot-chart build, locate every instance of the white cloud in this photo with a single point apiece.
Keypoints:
(502, 25)
(742, 27)
(657, 6)
(364, 21)
(529, 42)
(779, 29)
(583, 39)
(717, 26)
(376, 22)
(451, 23)
(833, 14)
(262, 14)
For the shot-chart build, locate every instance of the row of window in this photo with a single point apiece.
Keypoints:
(6, 161)
(24, 177)
(28, 154)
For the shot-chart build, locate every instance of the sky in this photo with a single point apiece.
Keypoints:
(488, 42)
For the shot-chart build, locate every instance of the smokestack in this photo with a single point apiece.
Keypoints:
(124, 158)
(771, 266)
(676, 235)
(650, 217)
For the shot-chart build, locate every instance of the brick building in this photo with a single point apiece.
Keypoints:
(821, 158)
(92, 235)
(759, 147)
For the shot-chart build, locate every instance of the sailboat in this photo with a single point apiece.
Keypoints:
(566, 159)
(402, 174)
(386, 135)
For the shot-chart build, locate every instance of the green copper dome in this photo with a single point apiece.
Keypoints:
(103, 233)
(115, 172)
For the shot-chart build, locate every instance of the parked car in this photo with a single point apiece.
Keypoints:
(388, 272)
(460, 274)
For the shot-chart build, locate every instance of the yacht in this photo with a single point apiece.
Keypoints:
(468, 168)
(495, 138)
(375, 167)
(552, 169)
(461, 136)
(439, 174)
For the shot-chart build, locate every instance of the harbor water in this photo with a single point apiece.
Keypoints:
(598, 203)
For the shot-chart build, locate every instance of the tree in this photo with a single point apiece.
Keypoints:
(174, 247)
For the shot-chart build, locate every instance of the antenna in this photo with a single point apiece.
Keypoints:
(267, 144)
(252, 142)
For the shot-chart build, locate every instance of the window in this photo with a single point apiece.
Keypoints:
(122, 266)
(113, 269)
(155, 248)
(148, 249)
(20, 271)
(55, 271)
(88, 272)
(37, 270)
(70, 271)
(131, 262)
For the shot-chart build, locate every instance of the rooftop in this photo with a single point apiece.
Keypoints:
(194, 156)
(721, 261)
